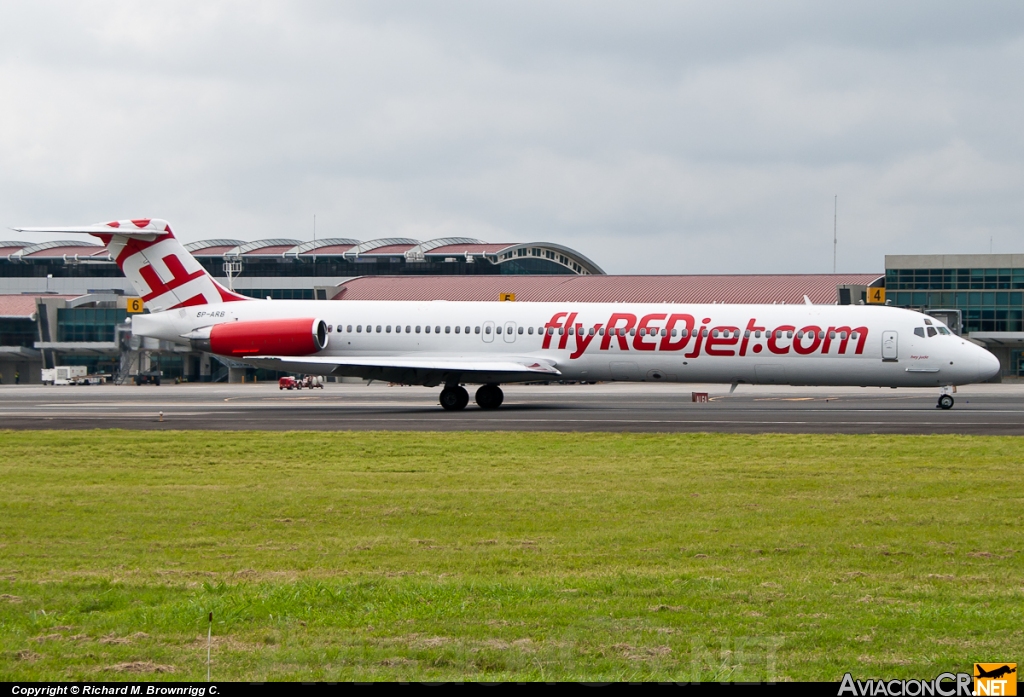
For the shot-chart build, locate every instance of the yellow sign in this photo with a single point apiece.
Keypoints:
(135, 305)
(507, 297)
(995, 679)
(876, 296)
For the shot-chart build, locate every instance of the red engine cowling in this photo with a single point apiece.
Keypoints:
(269, 337)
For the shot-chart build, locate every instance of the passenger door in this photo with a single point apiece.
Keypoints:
(890, 346)
(510, 332)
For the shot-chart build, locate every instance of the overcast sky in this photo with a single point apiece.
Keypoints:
(654, 137)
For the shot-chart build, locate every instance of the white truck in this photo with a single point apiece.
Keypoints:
(70, 375)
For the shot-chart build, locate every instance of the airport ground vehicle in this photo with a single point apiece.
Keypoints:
(148, 377)
(71, 375)
(487, 344)
(306, 381)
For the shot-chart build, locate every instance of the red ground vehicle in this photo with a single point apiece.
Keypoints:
(307, 381)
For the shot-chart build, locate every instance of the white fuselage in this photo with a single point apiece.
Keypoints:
(759, 344)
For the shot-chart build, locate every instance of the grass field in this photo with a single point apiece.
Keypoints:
(476, 556)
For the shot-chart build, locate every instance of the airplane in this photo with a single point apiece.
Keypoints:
(493, 343)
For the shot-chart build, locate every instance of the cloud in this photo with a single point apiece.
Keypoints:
(657, 137)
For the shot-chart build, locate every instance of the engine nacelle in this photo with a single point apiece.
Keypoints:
(265, 337)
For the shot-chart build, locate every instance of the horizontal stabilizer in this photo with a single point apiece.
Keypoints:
(127, 228)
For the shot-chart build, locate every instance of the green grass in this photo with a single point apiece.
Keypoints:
(489, 556)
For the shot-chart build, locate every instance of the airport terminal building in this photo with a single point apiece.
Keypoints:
(65, 302)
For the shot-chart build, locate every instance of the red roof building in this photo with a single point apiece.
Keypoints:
(774, 288)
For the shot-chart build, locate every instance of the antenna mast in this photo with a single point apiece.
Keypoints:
(835, 238)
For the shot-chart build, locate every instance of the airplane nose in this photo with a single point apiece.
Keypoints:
(988, 366)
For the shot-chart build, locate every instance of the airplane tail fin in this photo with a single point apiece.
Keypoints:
(160, 269)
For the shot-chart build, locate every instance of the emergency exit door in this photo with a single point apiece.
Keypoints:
(890, 346)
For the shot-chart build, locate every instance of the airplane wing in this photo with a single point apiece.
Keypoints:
(425, 370)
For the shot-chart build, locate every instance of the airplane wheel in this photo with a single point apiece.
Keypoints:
(454, 398)
(945, 402)
(489, 397)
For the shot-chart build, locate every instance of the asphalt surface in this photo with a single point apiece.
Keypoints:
(980, 409)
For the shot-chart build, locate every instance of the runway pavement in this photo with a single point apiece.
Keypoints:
(995, 409)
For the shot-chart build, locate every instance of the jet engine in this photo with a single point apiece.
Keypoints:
(267, 337)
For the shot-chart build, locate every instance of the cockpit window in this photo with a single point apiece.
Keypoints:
(943, 330)
(931, 331)
(928, 322)
(919, 331)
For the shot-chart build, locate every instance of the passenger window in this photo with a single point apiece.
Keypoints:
(476, 330)
(789, 335)
(854, 335)
(931, 331)
(831, 335)
(447, 330)
(757, 334)
(398, 329)
(497, 330)
(359, 328)
(349, 329)
(437, 330)
(704, 333)
(457, 329)
(378, 329)
(408, 329)
(388, 329)
(467, 330)
(427, 329)
(520, 330)
(664, 332)
(601, 331)
(487, 330)
(417, 329)
(821, 335)
(842, 336)
(530, 330)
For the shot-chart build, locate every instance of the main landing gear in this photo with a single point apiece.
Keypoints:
(945, 398)
(490, 397)
(455, 397)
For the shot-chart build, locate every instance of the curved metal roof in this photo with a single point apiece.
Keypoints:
(249, 247)
(364, 247)
(320, 244)
(422, 248)
(206, 244)
(55, 244)
(413, 250)
(571, 256)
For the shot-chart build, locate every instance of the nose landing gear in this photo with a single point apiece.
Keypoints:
(945, 398)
